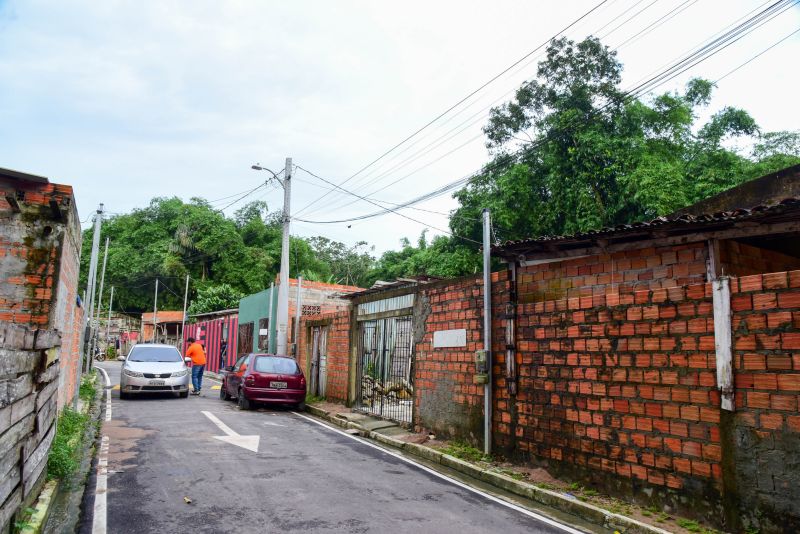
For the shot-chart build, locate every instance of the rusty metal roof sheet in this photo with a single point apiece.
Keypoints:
(785, 210)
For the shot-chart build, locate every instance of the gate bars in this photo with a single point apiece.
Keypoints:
(384, 369)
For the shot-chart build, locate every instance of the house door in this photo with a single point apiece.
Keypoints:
(244, 343)
(319, 358)
(384, 370)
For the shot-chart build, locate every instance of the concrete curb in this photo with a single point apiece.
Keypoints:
(573, 506)
(42, 510)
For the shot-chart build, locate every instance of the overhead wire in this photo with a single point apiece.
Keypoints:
(462, 100)
(393, 210)
(764, 51)
(696, 57)
(483, 113)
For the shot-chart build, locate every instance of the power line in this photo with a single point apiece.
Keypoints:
(773, 45)
(658, 22)
(393, 210)
(446, 136)
(464, 99)
(433, 194)
(698, 56)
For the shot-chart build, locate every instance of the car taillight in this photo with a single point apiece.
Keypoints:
(249, 378)
(302, 380)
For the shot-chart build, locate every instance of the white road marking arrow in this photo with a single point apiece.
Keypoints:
(246, 442)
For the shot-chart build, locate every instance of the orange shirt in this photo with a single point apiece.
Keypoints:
(196, 353)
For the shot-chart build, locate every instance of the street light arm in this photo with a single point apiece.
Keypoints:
(275, 176)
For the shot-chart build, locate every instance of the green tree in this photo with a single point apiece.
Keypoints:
(348, 265)
(215, 298)
(585, 155)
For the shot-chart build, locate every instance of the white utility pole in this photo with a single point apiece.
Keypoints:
(155, 312)
(95, 339)
(183, 319)
(298, 306)
(92, 280)
(283, 288)
(487, 332)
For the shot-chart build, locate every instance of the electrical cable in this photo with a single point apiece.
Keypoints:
(393, 210)
(448, 110)
(446, 136)
(696, 57)
(773, 45)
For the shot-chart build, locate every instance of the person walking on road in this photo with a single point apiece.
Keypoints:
(198, 356)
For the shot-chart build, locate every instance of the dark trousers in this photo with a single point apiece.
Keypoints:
(197, 376)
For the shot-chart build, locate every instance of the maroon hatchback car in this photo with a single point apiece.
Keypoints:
(264, 378)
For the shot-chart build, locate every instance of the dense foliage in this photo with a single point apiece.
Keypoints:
(571, 152)
(224, 257)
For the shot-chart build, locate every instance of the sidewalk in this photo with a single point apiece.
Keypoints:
(609, 513)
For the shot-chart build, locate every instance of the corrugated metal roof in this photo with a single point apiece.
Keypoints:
(786, 210)
(18, 175)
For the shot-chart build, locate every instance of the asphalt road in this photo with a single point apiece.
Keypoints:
(305, 477)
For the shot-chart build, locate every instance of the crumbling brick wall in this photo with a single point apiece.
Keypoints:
(39, 329)
(40, 242)
(29, 371)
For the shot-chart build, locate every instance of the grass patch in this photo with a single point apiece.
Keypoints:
(24, 520)
(64, 459)
(690, 525)
(87, 391)
(465, 451)
(590, 492)
(545, 486)
(313, 399)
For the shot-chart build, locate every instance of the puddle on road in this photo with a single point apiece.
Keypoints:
(123, 443)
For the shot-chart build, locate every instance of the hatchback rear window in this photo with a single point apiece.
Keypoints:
(278, 366)
(154, 354)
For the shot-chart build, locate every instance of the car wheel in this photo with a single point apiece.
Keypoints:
(223, 392)
(300, 406)
(184, 394)
(244, 404)
(123, 395)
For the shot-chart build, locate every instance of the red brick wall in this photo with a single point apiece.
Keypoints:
(338, 346)
(765, 440)
(739, 259)
(446, 400)
(621, 385)
(68, 316)
(620, 272)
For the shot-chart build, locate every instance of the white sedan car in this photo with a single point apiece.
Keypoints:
(154, 368)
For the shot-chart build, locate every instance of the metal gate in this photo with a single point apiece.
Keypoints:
(385, 369)
(319, 360)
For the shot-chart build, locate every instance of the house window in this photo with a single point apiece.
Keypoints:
(310, 309)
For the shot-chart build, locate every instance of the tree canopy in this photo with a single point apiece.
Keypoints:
(572, 151)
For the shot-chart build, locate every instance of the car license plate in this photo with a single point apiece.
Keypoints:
(277, 385)
(156, 383)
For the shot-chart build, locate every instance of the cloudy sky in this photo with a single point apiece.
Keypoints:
(130, 100)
